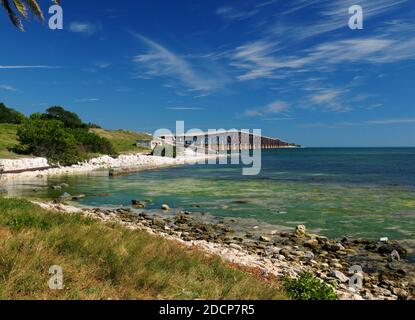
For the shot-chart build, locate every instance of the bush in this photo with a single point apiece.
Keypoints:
(92, 143)
(308, 287)
(8, 115)
(49, 139)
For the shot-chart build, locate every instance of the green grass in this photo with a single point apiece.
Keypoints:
(108, 261)
(8, 139)
(122, 140)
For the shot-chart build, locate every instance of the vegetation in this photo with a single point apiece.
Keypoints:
(308, 287)
(8, 139)
(23, 7)
(108, 261)
(8, 115)
(123, 141)
(61, 137)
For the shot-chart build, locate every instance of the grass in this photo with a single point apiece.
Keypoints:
(124, 142)
(108, 261)
(8, 139)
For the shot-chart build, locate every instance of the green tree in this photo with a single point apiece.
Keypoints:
(8, 115)
(69, 119)
(18, 9)
(50, 139)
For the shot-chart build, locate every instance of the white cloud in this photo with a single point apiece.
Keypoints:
(30, 67)
(185, 108)
(7, 87)
(231, 13)
(392, 121)
(158, 61)
(88, 100)
(275, 107)
(83, 27)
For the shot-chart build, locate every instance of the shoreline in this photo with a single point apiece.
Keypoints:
(123, 164)
(281, 254)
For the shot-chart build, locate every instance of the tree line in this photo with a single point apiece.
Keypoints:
(57, 134)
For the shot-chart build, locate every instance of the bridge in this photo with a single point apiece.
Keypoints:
(221, 140)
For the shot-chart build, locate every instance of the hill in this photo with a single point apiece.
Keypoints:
(123, 141)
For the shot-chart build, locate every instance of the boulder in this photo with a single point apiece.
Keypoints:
(312, 243)
(165, 207)
(264, 239)
(339, 276)
(394, 256)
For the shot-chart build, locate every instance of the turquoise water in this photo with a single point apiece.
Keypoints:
(338, 192)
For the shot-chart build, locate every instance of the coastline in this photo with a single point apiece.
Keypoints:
(121, 165)
(282, 254)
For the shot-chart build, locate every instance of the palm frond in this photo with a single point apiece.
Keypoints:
(35, 8)
(12, 15)
(21, 8)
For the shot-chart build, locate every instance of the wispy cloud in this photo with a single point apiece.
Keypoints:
(232, 13)
(30, 67)
(185, 108)
(87, 100)
(159, 61)
(275, 107)
(347, 124)
(83, 27)
(7, 87)
(392, 121)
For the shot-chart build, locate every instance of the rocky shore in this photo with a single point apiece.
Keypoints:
(342, 263)
(117, 165)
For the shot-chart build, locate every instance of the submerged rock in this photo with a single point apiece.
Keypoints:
(390, 247)
(138, 203)
(78, 197)
(65, 196)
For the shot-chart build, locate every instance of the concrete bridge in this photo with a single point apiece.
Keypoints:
(222, 140)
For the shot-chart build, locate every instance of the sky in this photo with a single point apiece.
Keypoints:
(291, 68)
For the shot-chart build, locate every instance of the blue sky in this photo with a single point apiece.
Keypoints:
(291, 68)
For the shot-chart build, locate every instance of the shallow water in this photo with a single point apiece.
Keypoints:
(366, 193)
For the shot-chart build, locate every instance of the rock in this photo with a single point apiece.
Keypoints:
(300, 230)
(3, 191)
(312, 243)
(394, 256)
(285, 252)
(65, 196)
(384, 240)
(389, 248)
(165, 207)
(339, 276)
(309, 255)
(138, 203)
(334, 247)
(264, 239)
(401, 293)
(57, 188)
(78, 197)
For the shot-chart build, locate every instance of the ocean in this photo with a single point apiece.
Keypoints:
(356, 192)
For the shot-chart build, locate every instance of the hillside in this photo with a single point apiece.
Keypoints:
(123, 141)
(8, 139)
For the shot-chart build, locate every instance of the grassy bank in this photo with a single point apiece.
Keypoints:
(8, 139)
(102, 261)
(123, 141)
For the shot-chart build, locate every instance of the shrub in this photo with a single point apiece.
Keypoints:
(49, 138)
(308, 287)
(92, 142)
(8, 115)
